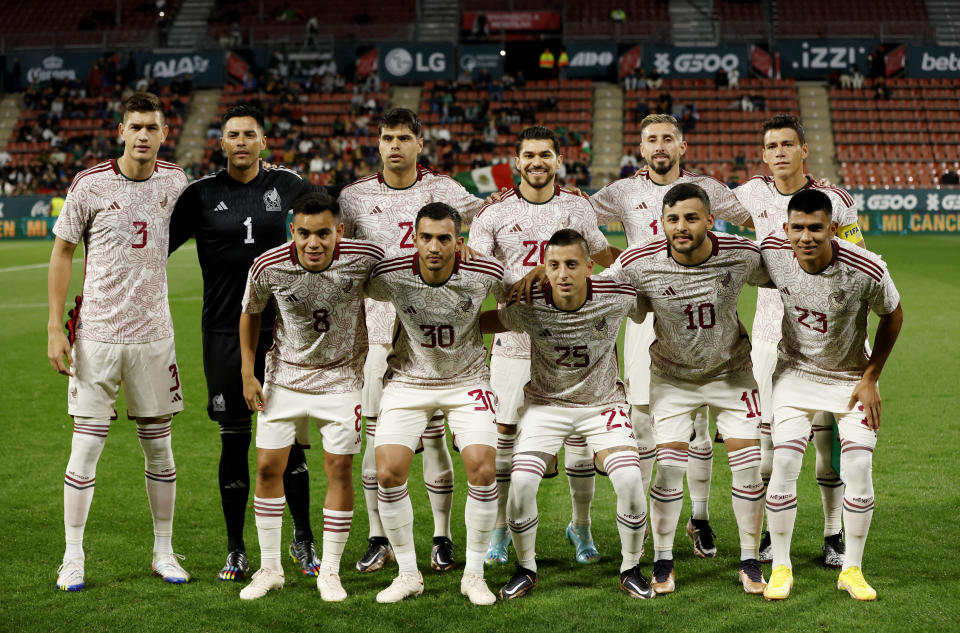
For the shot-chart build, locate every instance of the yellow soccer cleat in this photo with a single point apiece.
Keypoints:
(851, 580)
(781, 582)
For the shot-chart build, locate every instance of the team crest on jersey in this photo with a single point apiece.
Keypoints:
(465, 309)
(838, 300)
(723, 282)
(599, 329)
(271, 200)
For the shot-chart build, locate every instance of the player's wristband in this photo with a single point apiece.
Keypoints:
(850, 233)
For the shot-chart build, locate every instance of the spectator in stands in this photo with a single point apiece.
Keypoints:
(688, 118)
(654, 81)
(721, 79)
(665, 103)
(733, 79)
(881, 92)
(950, 177)
(312, 31)
(521, 81)
(496, 91)
(746, 103)
(480, 30)
(484, 80)
(856, 78)
(628, 163)
(846, 78)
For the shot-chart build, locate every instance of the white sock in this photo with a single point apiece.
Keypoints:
(831, 486)
(438, 475)
(781, 498)
(623, 469)
(89, 437)
(368, 476)
(766, 453)
(160, 474)
(666, 499)
(581, 475)
(503, 462)
(700, 466)
(396, 513)
(646, 445)
(336, 531)
(522, 515)
(268, 515)
(856, 470)
(747, 494)
(479, 515)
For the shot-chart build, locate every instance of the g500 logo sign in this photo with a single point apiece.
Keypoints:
(691, 63)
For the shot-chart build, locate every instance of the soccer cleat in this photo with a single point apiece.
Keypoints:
(664, 578)
(441, 556)
(751, 577)
(766, 549)
(167, 566)
(304, 553)
(328, 584)
(833, 550)
(264, 581)
(852, 581)
(70, 575)
(497, 550)
(702, 536)
(580, 537)
(520, 584)
(781, 582)
(403, 586)
(474, 587)
(635, 584)
(236, 566)
(378, 554)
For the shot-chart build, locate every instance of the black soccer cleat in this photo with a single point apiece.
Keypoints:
(520, 584)
(441, 556)
(635, 584)
(305, 555)
(236, 566)
(664, 578)
(702, 536)
(834, 549)
(378, 554)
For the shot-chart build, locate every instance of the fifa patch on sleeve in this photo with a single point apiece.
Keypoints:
(850, 232)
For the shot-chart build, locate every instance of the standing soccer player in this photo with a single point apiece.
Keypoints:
(314, 371)
(236, 214)
(574, 388)
(827, 289)
(438, 363)
(700, 357)
(516, 230)
(784, 150)
(121, 331)
(636, 202)
(382, 208)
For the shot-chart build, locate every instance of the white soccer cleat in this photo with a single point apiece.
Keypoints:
(70, 575)
(263, 582)
(328, 584)
(403, 586)
(474, 587)
(167, 566)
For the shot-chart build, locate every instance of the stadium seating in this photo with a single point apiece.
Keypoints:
(87, 22)
(647, 18)
(828, 18)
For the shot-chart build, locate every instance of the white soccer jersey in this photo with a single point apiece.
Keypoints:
(515, 231)
(699, 336)
(438, 344)
(768, 207)
(825, 314)
(125, 229)
(637, 203)
(574, 359)
(373, 211)
(320, 337)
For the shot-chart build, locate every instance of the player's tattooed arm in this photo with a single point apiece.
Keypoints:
(490, 322)
(58, 282)
(249, 334)
(866, 391)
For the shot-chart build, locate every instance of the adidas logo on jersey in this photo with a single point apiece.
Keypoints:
(176, 398)
(409, 310)
(291, 298)
(545, 332)
(376, 210)
(785, 291)
(669, 292)
(219, 403)
(114, 206)
(642, 205)
(221, 206)
(763, 214)
(516, 228)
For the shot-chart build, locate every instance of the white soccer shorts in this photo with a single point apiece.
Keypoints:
(373, 369)
(287, 414)
(764, 357)
(636, 360)
(507, 378)
(405, 412)
(147, 371)
(733, 401)
(797, 400)
(544, 428)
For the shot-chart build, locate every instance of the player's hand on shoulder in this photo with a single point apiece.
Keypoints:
(523, 289)
(823, 182)
(496, 196)
(576, 190)
(58, 349)
(253, 393)
(868, 395)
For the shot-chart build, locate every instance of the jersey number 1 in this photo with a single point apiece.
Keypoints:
(249, 224)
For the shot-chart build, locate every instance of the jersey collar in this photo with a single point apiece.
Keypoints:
(416, 269)
(296, 260)
(713, 252)
(548, 296)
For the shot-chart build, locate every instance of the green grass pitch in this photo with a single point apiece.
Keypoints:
(911, 557)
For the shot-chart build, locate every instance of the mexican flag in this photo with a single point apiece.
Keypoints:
(486, 179)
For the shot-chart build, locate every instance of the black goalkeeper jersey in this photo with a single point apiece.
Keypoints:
(233, 223)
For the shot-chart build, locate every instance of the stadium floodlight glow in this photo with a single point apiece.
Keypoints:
(503, 53)
(162, 14)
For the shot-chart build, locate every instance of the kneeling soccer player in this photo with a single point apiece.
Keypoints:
(574, 389)
(313, 371)
(827, 289)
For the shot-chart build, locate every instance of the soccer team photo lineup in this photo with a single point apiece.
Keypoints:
(477, 315)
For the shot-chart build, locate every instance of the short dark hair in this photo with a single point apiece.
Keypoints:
(315, 202)
(810, 201)
(401, 117)
(538, 133)
(569, 237)
(651, 119)
(143, 102)
(439, 211)
(685, 191)
(243, 110)
(783, 121)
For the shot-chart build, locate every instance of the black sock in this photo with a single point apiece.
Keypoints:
(234, 477)
(296, 486)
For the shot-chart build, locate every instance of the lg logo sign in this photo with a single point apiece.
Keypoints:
(400, 62)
